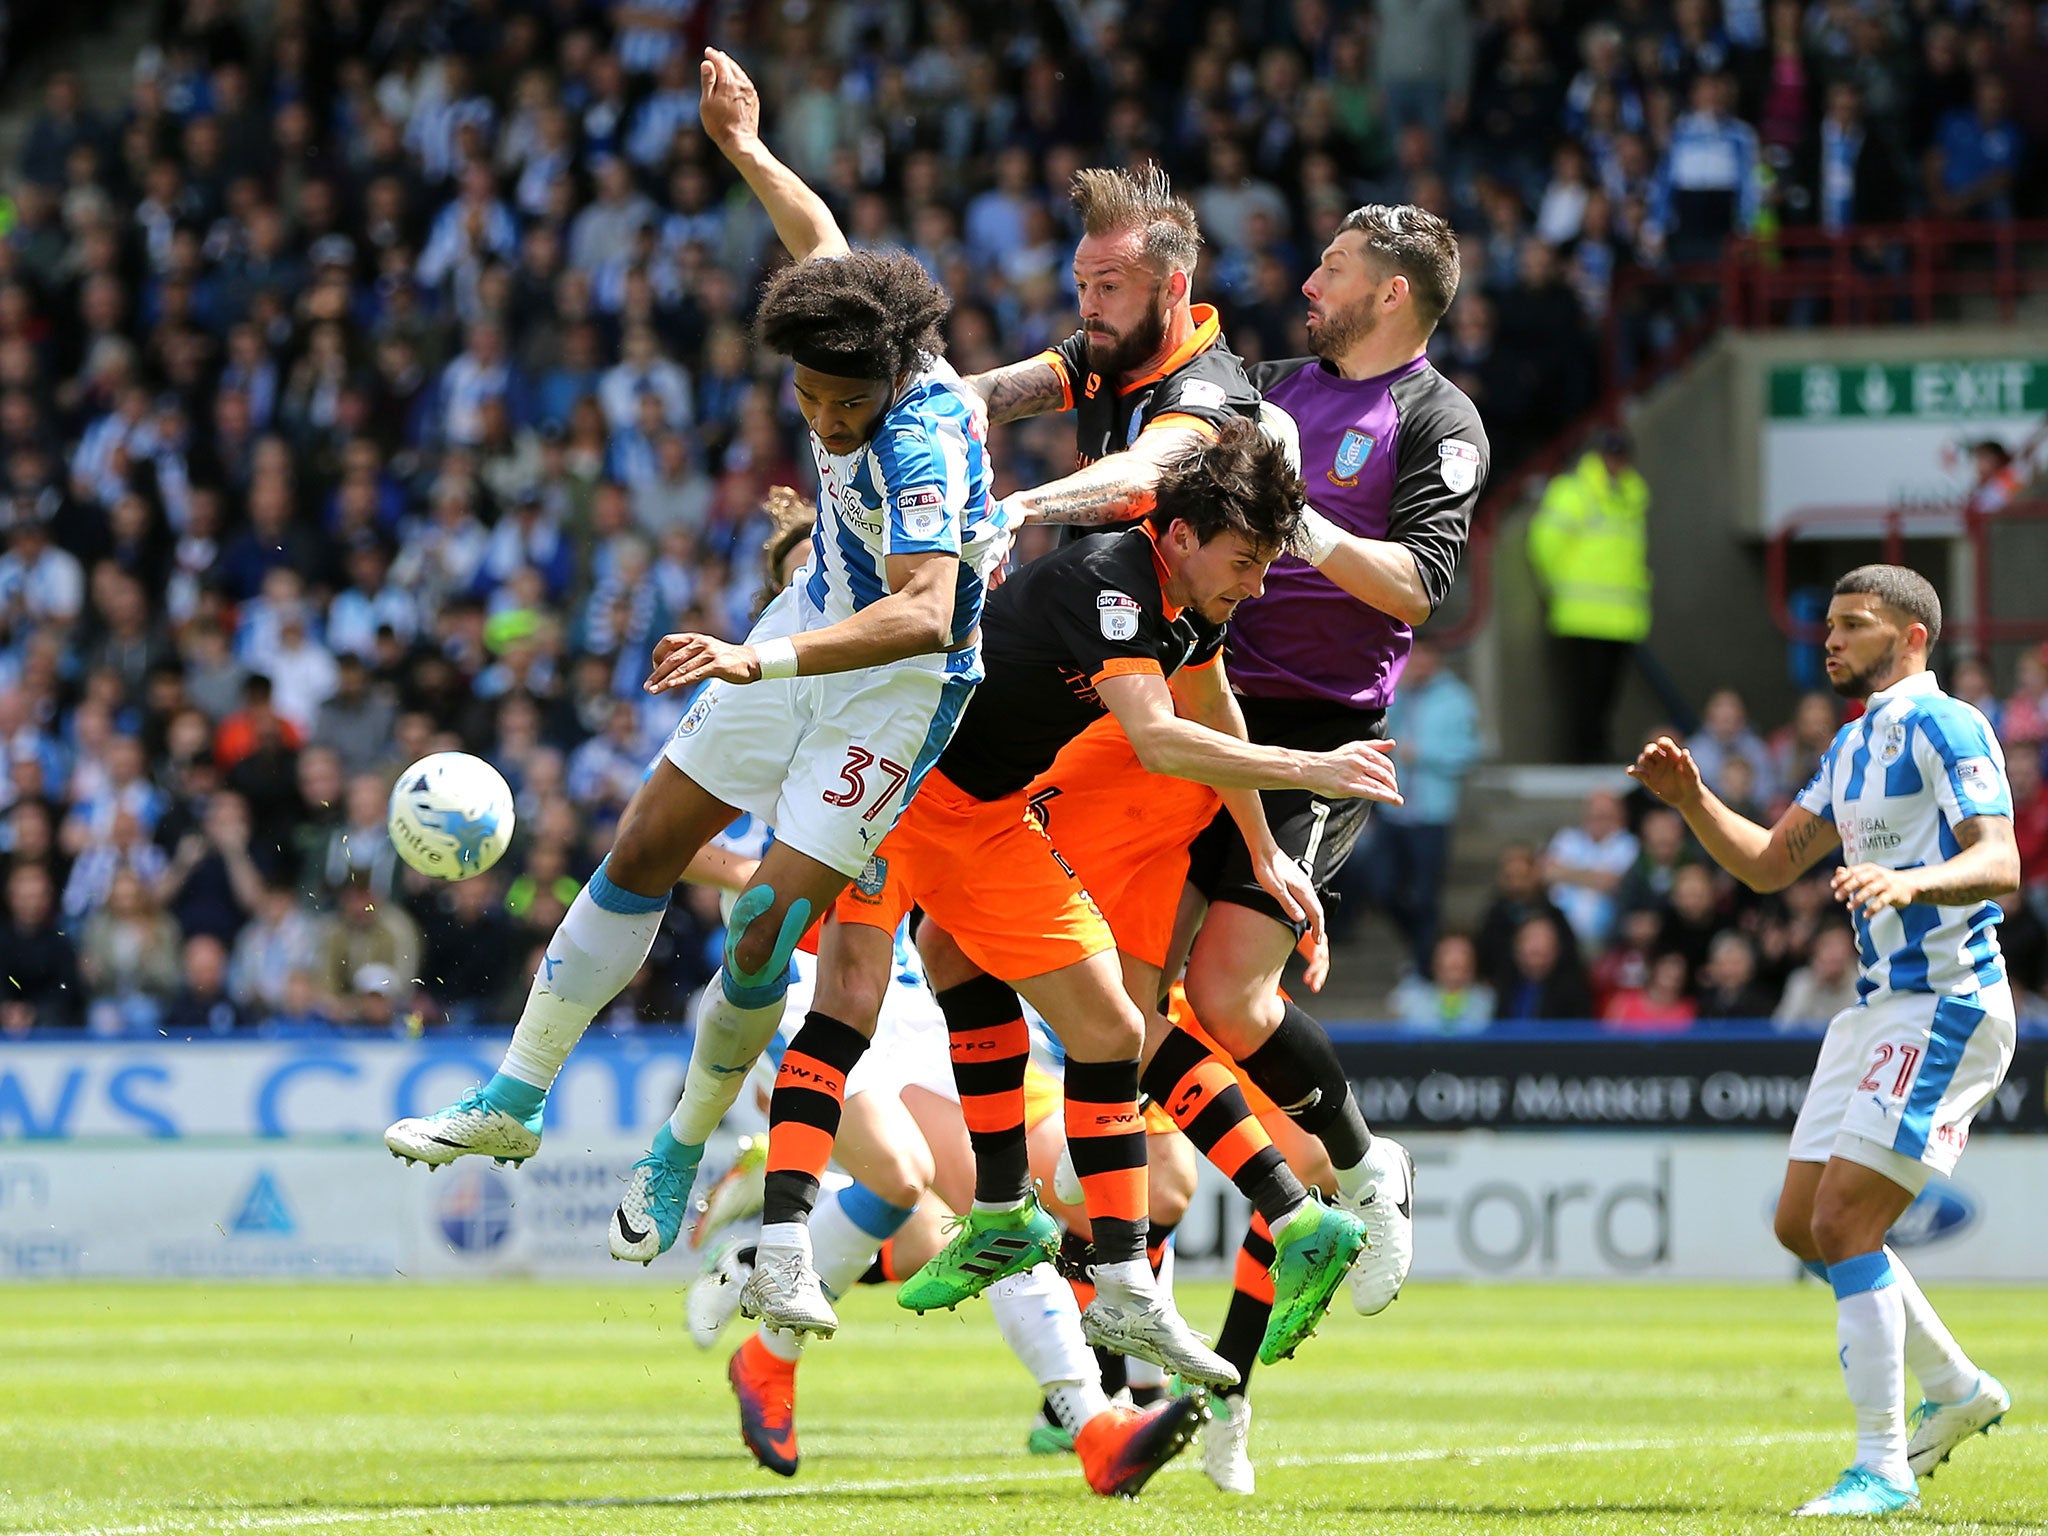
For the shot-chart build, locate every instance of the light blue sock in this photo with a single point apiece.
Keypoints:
(1818, 1268)
(521, 1100)
(679, 1155)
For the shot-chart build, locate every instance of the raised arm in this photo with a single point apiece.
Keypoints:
(730, 110)
(1764, 859)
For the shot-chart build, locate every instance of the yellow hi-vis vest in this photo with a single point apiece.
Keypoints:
(1589, 545)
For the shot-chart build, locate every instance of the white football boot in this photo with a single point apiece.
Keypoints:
(469, 1127)
(783, 1292)
(1387, 1210)
(1226, 1445)
(1938, 1428)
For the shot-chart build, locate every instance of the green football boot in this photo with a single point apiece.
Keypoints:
(985, 1247)
(1312, 1253)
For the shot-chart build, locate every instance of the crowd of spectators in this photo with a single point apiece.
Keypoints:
(375, 377)
(1622, 918)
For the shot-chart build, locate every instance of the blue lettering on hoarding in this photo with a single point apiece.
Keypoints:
(153, 1121)
(479, 1070)
(16, 1110)
(270, 1095)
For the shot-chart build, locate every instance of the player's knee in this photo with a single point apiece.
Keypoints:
(1108, 1034)
(1838, 1231)
(899, 1181)
(1234, 1018)
(1794, 1230)
(852, 993)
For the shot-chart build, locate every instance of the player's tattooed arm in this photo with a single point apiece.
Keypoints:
(1029, 388)
(1988, 867)
(1762, 858)
(1118, 489)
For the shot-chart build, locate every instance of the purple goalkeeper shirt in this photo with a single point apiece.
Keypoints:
(1401, 458)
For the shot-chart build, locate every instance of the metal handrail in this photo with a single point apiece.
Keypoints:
(1965, 520)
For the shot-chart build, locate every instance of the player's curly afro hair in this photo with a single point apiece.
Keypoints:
(1242, 483)
(881, 310)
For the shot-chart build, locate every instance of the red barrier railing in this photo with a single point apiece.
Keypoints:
(1893, 526)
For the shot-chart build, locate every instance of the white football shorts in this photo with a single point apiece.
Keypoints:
(1900, 1078)
(828, 761)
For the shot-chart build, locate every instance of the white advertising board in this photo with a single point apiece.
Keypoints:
(1489, 1205)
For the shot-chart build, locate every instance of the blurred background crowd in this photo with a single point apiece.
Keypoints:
(375, 378)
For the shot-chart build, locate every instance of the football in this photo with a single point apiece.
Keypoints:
(451, 815)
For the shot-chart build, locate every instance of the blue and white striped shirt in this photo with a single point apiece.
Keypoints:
(1895, 784)
(921, 484)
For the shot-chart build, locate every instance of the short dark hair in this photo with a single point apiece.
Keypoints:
(1415, 243)
(1113, 200)
(1901, 590)
(1241, 483)
(883, 310)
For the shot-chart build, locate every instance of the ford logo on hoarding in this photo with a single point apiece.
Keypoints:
(1940, 1211)
(476, 1212)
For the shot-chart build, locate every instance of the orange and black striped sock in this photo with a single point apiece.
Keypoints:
(1201, 1093)
(1251, 1303)
(803, 1115)
(1106, 1136)
(991, 1046)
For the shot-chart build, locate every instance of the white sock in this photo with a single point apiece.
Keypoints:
(1937, 1361)
(595, 951)
(1000, 1205)
(1357, 1182)
(780, 1344)
(840, 1250)
(1038, 1319)
(729, 1041)
(1870, 1327)
(1127, 1284)
(785, 1235)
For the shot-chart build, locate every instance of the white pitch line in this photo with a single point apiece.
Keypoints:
(305, 1519)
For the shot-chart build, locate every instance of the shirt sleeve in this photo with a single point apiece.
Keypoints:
(1105, 622)
(1960, 757)
(1203, 398)
(1207, 648)
(1070, 357)
(922, 466)
(1818, 797)
(1439, 477)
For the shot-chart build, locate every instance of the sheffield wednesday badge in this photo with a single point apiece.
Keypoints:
(1353, 449)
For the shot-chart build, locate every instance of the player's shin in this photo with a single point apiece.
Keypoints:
(728, 1040)
(1298, 1069)
(848, 1231)
(803, 1120)
(1039, 1320)
(601, 941)
(1870, 1330)
(1934, 1357)
(1106, 1136)
(1198, 1089)
(991, 1046)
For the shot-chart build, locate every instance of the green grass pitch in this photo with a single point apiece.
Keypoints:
(477, 1410)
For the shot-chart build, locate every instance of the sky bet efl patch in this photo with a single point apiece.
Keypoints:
(1117, 614)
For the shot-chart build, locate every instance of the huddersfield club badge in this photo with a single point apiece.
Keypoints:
(1353, 449)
